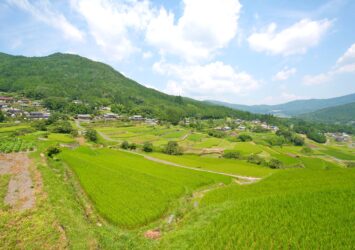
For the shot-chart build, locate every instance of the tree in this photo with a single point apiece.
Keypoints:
(148, 147)
(91, 135)
(2, 116)
(298, 140)
(53, 150)
(244, 138)
(125, 145)
(275, 163)
(255, 159)
(132, 146)
(172, 148)
(232, 155)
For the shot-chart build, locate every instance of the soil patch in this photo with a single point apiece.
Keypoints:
(21, 193)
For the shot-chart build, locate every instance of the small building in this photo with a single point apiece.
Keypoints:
(14, 111)
(6, 99)
(38, 115)
(24, 101)
(36, 104)
(110, 116)
(77, 102)
(84, 117)
(136, 118)
(105, 108)
(152, 122)
(242, 128)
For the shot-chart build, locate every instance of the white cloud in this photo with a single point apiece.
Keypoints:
(296, 39)
(210, 81)
(112, 23)
(43, 12)
(345, 64)
(349, 56)
(147, 55)
(284, 74)
(204, 27)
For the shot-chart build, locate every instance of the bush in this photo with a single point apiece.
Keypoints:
(232, 155)
(53, 150)
(2, 116)
(216, 133)
(132, 146)
(297, 140)
(316, 136)
(91, 135)
(125, 145)
(350, 164)
(148, 147)
(63, 127)
(172, 148)
(244, 138)
(255, 159)
(275, 164)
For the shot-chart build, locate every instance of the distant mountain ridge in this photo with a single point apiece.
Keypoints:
(292, 108)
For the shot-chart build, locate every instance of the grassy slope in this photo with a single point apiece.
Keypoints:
(343, 113)
(301, 209)
(129, 190)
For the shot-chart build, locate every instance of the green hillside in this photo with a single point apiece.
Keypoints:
(68, 77)
(338, 114)
(292, 108)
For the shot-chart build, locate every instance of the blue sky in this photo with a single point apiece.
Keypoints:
(247, 52)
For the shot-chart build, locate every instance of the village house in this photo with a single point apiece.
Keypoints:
(6, 99)
(24, 101)
(36, 104)
(136, 118)
(110, 116)
(151, 121)
(13, 111)
(84, 117)
(38, 115)
(241, 128)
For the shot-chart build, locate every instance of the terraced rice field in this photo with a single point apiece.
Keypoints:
(129, 190)
(310, 208)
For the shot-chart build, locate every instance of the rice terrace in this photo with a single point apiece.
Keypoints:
(239, 132)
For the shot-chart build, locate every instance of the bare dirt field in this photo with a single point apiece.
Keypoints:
(21, 192)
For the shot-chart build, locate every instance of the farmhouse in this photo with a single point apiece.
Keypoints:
(38, 115)
(136, 118)
(84, 117)
(14, 111)
(110, 116)
(6, 99)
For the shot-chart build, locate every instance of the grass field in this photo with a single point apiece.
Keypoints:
(129, 190)
(217, 164)
(294, 209)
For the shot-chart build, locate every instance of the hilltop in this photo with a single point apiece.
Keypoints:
(62, 78)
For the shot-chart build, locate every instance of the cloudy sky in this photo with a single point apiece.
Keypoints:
(240, 51)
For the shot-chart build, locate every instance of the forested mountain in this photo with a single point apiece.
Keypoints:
(61, 78)
(293, 108)
(338, 114)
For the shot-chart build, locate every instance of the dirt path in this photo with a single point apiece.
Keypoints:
(240, 177)
(21, 193)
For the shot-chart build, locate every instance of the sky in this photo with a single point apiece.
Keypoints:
(238, 51)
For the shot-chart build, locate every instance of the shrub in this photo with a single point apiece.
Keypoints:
(172, 148)
(148, 147)
(2, 116)
(316, 136)
(91, 135)
(244, 138)
(132, 146)
(350, 164)
(275, 164)
(297, 140)
(255, 159)
(216, 133)
(232, 155)
(125, 145)
(53, 150)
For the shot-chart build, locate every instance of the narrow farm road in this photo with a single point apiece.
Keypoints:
(244, 179)
(106, 137)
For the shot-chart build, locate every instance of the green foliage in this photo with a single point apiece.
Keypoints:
(148, 147)
(125, 145)
(275, 164)
(297, 140)
(232, 155)
(316, 136)
(91, 135)
(2, 116)
(216, 133)
(53, 150)
(172, 148)
(350, 164)
(244, 138)
(307, 150)
(13, 144)
(61, 126)
(255, 159)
